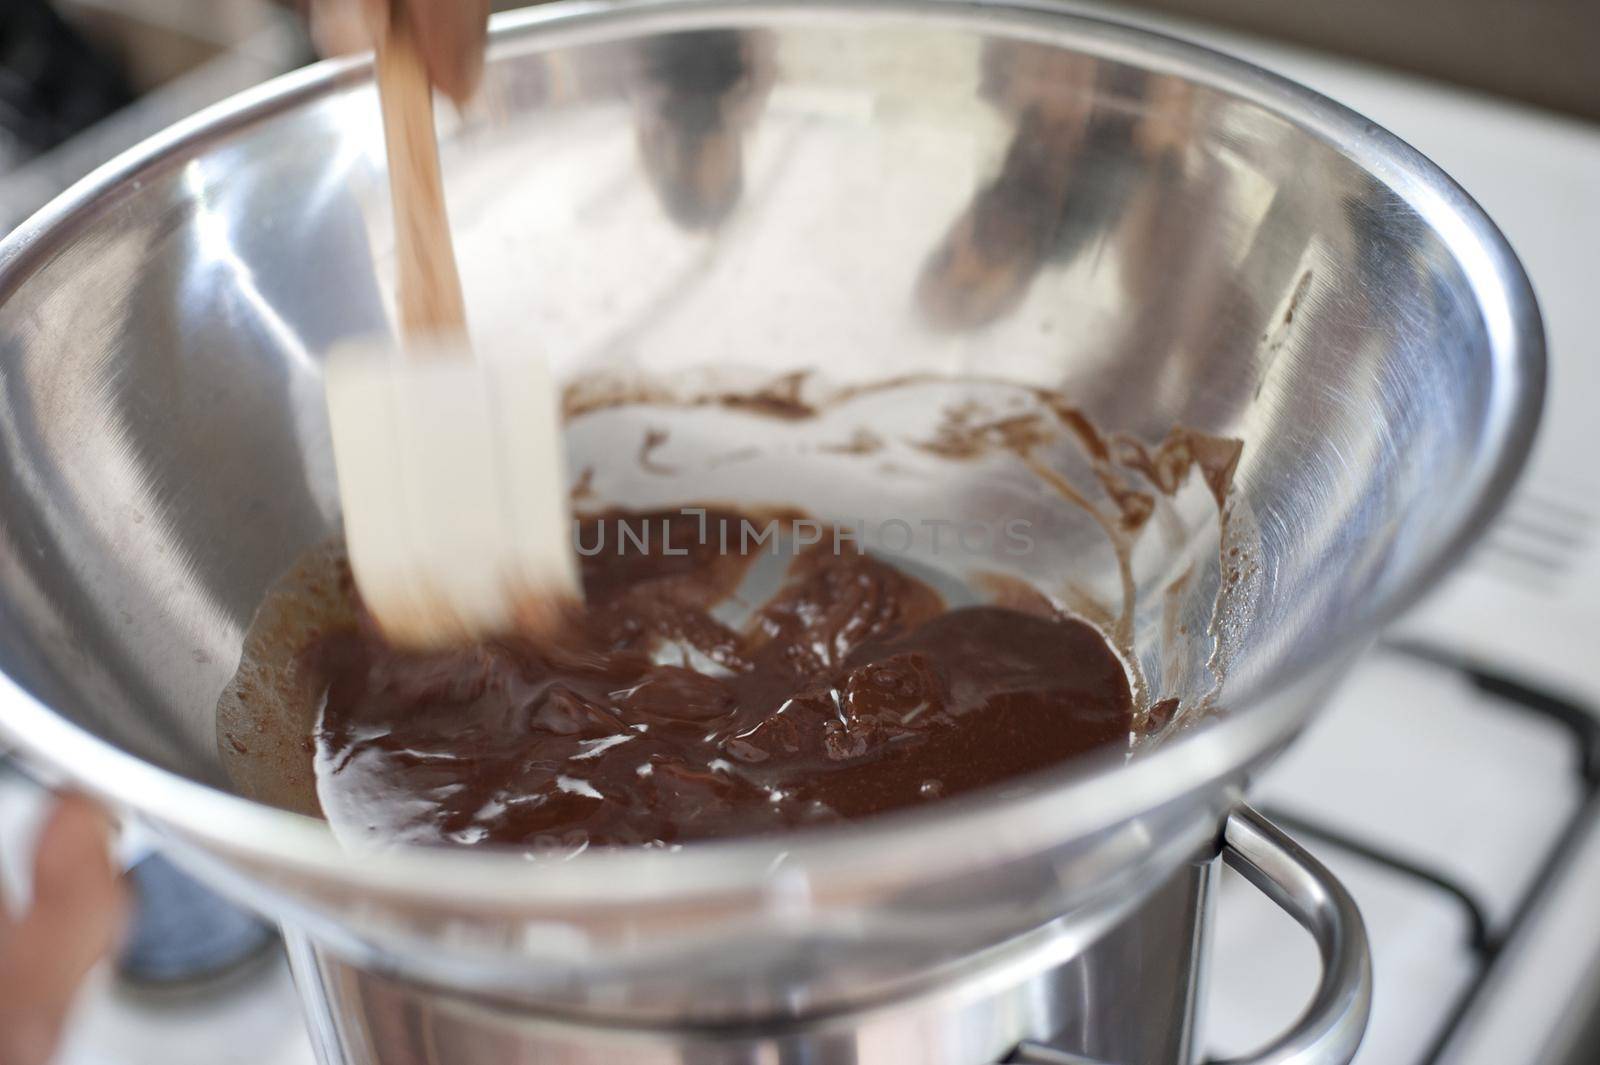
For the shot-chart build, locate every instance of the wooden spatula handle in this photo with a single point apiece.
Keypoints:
(429, 286)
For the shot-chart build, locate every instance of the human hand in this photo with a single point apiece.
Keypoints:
(73, 920)
(451, 34)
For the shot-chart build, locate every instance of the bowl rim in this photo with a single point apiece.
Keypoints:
(938, 843)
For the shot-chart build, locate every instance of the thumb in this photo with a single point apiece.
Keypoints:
(339, 27)
(452, 36)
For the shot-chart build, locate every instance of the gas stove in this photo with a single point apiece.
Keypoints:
(1452, 782)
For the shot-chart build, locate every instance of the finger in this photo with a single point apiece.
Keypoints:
(452, 35)
(75, 915)
(340, 27)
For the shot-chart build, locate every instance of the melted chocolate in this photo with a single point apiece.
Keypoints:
(851, 691)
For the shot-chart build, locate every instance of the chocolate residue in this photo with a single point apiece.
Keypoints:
(779, 399)
(1184, 449)
(653, 439)
(959, 437)
(862, 442)
(851, 691)
(1082, 428)
(1275, 339)
(1160, 715)
(1134, 507)
(963, 433)
(266, 717)
(782, 397)
(583, 487)
(971, 430)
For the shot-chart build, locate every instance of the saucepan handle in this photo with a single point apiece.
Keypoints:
(1330, 1029)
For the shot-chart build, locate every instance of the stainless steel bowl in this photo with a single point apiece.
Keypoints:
(1164, 234)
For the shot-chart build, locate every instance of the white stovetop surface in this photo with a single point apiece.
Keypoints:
(1406, 754)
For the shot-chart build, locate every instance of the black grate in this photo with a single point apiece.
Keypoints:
(1486, 941)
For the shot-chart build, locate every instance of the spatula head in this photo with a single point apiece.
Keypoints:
(454, 486)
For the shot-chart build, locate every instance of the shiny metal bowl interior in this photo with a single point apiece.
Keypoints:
(1183, 239)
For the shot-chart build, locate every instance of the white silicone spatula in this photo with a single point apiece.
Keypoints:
(450, 464)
